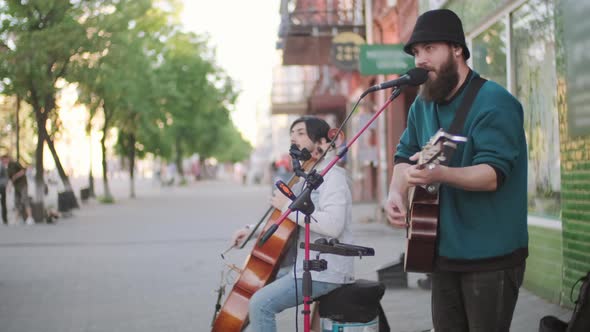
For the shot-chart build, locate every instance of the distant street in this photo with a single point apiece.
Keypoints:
(149, 264)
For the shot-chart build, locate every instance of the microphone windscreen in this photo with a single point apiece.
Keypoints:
(417, 76)
(305, 154)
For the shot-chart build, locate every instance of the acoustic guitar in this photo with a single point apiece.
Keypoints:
(423, 210)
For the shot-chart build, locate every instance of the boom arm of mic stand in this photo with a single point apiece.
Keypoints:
(302, 203)
(396, 92)
(273, 228)
(305, 196)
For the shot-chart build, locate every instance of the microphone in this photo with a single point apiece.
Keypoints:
(296, 156)
(413, 77)
(302, 155)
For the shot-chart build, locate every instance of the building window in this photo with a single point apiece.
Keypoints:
(535, 75)
(489, 53)
(532, 53)
(472, 13)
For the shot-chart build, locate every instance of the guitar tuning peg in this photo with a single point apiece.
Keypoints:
(441, 158)
(451, 144)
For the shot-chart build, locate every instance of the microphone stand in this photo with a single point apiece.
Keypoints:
(304, 204)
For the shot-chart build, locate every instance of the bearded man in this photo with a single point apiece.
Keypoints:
(482, 240)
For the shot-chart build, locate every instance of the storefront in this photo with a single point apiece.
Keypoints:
(522, 45)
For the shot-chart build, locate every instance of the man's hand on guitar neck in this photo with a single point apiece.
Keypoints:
(481, 177)
(423, 174)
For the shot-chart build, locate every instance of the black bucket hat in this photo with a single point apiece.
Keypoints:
(438, 25)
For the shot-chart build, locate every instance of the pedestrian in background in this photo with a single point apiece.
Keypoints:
(17, 175)
(3, 184)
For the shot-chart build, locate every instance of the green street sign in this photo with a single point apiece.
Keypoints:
(384, 59)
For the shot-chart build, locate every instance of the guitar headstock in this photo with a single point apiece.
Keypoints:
(434, 151)
(431, 154)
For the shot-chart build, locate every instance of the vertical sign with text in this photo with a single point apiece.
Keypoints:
(345, 50)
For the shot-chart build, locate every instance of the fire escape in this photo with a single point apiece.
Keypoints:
(309, 82)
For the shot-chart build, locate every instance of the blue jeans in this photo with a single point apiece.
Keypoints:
(278, 296)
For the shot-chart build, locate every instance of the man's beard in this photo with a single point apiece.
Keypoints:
(440, 88)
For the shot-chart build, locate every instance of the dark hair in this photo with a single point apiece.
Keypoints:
(463, 54)
(316, 127)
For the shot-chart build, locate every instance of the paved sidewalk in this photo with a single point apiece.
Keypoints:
(408, 310)
(152, 264)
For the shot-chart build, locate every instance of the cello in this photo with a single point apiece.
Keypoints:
(260, 269)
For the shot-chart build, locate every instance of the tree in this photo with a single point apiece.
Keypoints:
(197, 102)
(42, 38)
(16, 128)
(139, 108)
(112, 82)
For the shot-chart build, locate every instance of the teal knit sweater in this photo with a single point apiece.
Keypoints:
(477, 225)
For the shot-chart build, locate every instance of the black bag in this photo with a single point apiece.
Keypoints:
(580, 321)
(356, 302)
(552, 324)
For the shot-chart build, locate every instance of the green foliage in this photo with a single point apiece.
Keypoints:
(40, 38)
(159, 86)
(8, 129)
(197, 99)
(106, 199)
(232, 146)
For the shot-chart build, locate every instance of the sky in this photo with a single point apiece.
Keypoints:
(244, 34)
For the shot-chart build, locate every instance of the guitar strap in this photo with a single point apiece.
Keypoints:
(459, 120)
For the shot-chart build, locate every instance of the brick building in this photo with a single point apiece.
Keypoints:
(531, 47)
